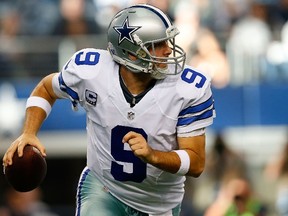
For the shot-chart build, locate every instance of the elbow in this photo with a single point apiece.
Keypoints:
(196, 171)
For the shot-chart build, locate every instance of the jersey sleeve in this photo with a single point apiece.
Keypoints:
(198, 111)
(69, 82)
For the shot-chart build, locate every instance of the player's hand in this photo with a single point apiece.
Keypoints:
(139, 146)
(19, 144)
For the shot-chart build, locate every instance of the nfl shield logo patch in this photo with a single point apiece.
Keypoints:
(131, 115)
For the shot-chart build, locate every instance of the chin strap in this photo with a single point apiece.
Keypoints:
(156, 74)
(131, 66)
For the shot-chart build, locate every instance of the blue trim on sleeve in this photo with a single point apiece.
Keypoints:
(190, 119)
(197, 108)
(74, 95)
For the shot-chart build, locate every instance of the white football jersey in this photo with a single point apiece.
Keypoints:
(175, 106)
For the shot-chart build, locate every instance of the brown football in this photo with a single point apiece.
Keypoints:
(27, 172)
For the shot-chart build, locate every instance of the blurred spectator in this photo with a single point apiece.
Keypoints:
(282, 67)
(106, 9)
(276, 62)
(187, 21)
(24, 204)
(10, 21)
(236, 198)
(37, 16)
(282, 192)
(278, 171)
(73, 19)
(210, 58)
(220, 15)
(223, 163)
(10, 28)
(164, 5)
(278, 14)
(11, 111)
(247, 45)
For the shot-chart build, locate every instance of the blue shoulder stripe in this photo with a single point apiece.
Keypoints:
(190, 119)
(197, 108)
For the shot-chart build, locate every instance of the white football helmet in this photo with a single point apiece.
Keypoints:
(138, 28)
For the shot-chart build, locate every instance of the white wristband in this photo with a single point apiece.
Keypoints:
(39, 102)
(185, 162)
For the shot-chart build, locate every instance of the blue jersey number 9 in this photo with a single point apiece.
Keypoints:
(90, 58)
(190, 76)
(121, 156)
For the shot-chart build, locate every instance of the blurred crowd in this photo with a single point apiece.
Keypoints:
(235, 41)
(231, 186)
(25, 204)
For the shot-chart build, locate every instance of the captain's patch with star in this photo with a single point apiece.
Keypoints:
(125, 31)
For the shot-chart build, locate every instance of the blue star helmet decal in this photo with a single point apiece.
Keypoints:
(125, 31)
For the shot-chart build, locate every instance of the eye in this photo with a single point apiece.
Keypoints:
(160, 44)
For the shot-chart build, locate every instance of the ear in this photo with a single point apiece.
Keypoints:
(132, 57)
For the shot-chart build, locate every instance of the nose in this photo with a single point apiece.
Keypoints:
(167, 50)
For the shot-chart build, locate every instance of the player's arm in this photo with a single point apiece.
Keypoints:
(42, 97)
(195, 148)
(188, 160)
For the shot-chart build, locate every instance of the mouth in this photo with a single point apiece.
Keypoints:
(162, 65)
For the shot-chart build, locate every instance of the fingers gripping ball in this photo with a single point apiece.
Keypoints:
(27, 172)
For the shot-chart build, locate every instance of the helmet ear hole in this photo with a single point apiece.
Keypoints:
(141, 53)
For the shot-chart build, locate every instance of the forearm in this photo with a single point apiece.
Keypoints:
(167, 161)
(193, 148)
(35, 113)
(34, 118)
(170, 162)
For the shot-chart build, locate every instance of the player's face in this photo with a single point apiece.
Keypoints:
(161, 49)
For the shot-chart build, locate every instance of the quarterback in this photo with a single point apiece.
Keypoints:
(146, 117)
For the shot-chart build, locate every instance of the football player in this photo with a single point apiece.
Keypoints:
(146, 117)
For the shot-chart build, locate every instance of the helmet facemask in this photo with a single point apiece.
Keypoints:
(177, 58)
